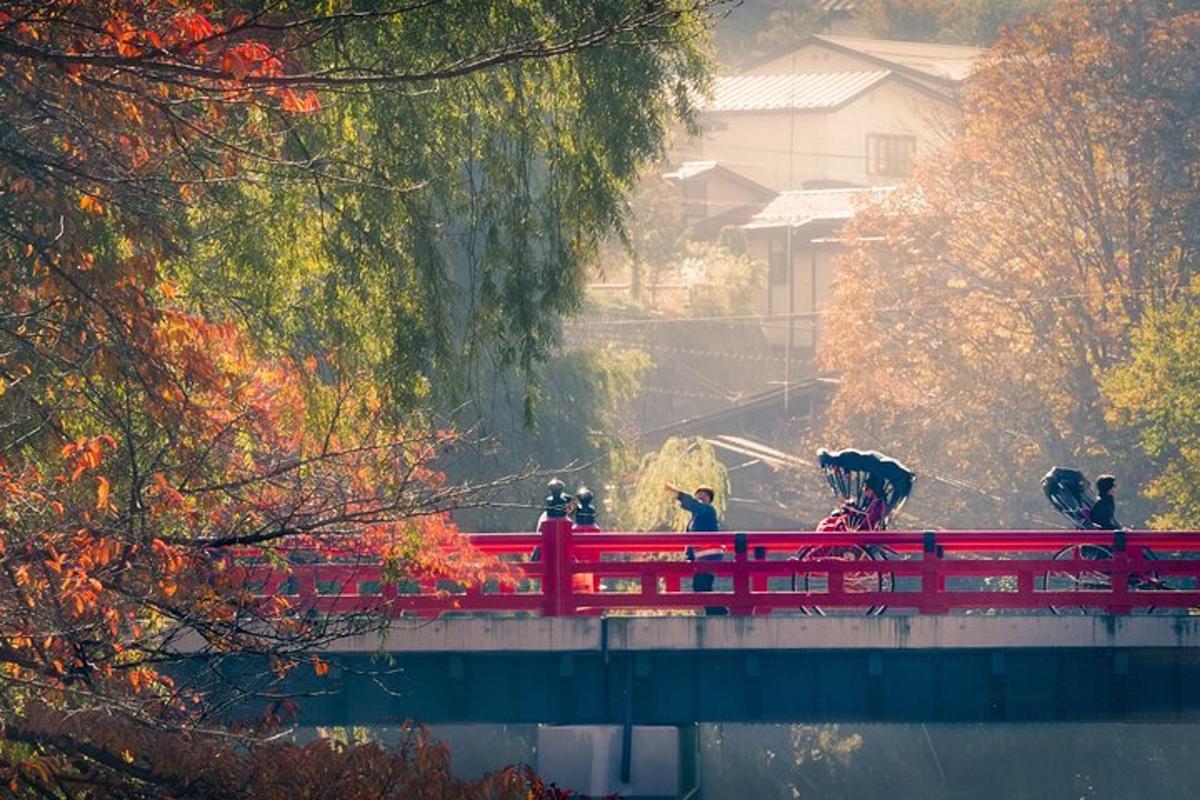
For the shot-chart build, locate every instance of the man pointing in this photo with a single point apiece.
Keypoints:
(700, 505)
(704, 519)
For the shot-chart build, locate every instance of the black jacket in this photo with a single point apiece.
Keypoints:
(1104, 514)
(704, 516)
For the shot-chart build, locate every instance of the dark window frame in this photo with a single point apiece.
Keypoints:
(891, 154)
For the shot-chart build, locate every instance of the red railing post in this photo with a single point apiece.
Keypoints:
(1121, 602)
(586, 581)
(305, 576)
(761, 583)
(1025, 585)
(743, 603)
(932, 583)
(556, 564)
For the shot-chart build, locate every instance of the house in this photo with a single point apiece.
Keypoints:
(830, 124)
(835, 111)
(789, 149)
(715, 197)
(798, 236)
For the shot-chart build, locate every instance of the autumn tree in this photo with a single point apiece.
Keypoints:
(981, 22)
(987, 301)
(790, 25)
(971, 22)
(1154, 394)
(912, 20)
(236, 247)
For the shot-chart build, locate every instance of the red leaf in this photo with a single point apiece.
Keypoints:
(300, 105)
(232, 63)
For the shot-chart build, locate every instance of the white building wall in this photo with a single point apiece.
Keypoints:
(768, 147)
(894, 109)
(786, 150)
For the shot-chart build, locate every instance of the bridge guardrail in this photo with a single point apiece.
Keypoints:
(926, 572)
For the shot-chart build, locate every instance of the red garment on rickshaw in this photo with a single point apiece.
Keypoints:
(851, 518)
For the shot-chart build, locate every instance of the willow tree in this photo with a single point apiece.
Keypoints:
(986, 301)
(438, 229)
(686, 462)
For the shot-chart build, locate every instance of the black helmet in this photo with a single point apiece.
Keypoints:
(585, 512)
(556, 501)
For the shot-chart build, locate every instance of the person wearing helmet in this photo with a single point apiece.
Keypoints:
(558, 504)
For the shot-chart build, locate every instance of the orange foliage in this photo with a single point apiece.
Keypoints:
(140, 439)
(986, 301)
(159, 763)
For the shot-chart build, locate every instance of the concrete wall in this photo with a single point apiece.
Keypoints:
(893, 108)
(757, 145)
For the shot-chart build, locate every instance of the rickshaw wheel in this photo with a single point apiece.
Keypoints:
(1096, 581)
(874, 581)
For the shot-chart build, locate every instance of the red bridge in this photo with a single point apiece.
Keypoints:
(979, 626)
(585, 572)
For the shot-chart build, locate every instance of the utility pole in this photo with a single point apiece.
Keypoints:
(791, 337)
(791, 272)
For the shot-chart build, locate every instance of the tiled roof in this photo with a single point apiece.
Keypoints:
(811, 205)
(836, 5)
(946, 61)
(805, 90)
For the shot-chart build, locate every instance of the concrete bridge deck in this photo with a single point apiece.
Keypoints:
(680, 670)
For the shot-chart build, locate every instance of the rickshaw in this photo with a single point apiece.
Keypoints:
(849, 473)
(1072, 495)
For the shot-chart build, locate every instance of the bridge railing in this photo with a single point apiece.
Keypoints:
(561, 571)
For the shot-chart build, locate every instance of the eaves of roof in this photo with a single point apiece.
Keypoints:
(800, 208)
(683, 175)
(836, 5)
(843, 100)
(950, 85)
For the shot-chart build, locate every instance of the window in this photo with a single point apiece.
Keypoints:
(890, 155)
